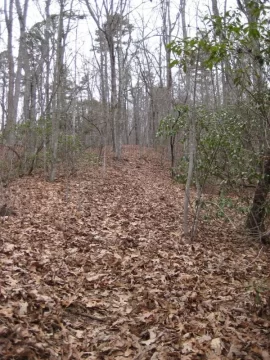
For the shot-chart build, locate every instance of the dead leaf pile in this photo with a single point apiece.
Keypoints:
(94, 267)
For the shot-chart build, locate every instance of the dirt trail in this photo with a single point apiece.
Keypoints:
(94, 267)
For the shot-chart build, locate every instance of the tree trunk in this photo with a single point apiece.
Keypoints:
(115, 135)
(46, 56)
(167, 38)
(3, 103)
(57, 93)
(172, 143)
(22, 55)
(9, 129)
(136, 115)
(191, 140)
(190, 171)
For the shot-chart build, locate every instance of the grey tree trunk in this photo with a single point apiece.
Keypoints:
(3, 97)
(11, 121)
(114, 107)
(57, 92)
(22, 55)
(46, 57)
(167, 30)
(224, 64)
(191, 139)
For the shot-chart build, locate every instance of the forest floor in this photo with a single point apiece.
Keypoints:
(94, 266)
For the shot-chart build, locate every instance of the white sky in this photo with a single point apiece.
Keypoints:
(139, 9)
(140, 12)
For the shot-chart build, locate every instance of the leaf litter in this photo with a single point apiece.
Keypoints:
(94, 267)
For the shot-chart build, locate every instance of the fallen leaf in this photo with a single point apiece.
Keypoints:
(217, 346)
(23, 309)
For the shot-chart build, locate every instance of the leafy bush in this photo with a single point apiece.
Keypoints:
(228, 145)
(225, 151)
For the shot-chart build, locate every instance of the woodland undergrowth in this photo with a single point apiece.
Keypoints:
(94, 266)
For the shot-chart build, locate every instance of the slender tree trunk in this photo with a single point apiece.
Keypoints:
(167, 38)
(46, 55)
(116, 141)
(191, 140)
(57, 93)
(172, 147)
(224, 64)
(136, 117)
(22, 55)
(11, 121)
(120, 100)
(3, 103)
(33, 110)
(104, 94)
(102, 76)
(190, 170)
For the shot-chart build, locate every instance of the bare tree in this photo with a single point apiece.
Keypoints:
(112, 30)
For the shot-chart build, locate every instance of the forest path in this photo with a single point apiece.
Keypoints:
(94, 267)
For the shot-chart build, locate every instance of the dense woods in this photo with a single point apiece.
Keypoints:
(134, 179)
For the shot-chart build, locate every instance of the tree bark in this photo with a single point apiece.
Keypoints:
(172, 143)
(9, 129)
(22, 55)
(57, 90)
